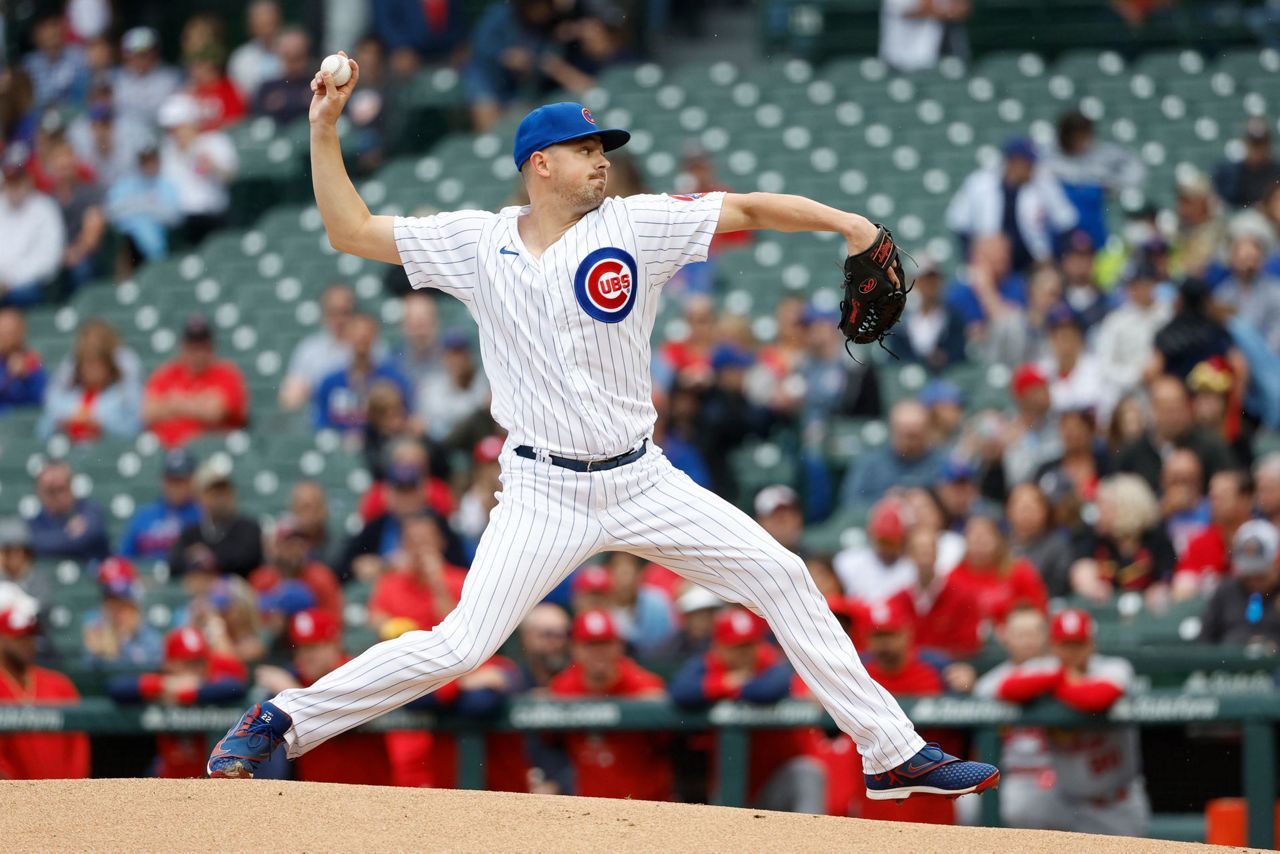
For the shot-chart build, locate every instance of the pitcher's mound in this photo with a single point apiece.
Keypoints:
(233, 815)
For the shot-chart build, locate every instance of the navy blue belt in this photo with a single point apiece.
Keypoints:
(584, 465)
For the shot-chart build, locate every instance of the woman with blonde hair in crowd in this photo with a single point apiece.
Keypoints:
(1126, 549)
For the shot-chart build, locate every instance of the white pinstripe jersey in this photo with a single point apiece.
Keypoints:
(564, 339)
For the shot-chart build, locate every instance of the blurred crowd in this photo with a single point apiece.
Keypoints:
(1134, 361)
(115, 146)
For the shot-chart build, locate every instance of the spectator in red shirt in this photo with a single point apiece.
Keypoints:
(196, 393)
(633, 765)
(742, 666)
(220, 102)
(990, 576)
(945, 613)
(689, 360)
(35, 755)
(408, 453)
(420, 586)
(1207, 557)
(193, 675)
(353, 757)
(892, 660)
(290, 561)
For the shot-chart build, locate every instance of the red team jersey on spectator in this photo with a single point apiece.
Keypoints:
(1206, 553)
(401, 594)
(949, 623)
(223, 377)
(435, 492)
(995, 594)
(41, 755)
(617, 764)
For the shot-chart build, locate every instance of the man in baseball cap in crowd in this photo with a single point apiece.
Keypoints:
(778, 511)
(1245, 607)
(144, 82)
(234, 538)
(1243, 182)
(893, 661)
(17, 558)
(192, 675)
(117, 635)
(879, 569)
(155, 527)
(34, 755)
(1099, 773)
(31, 253)
(741, 665)
(1035, 439)
(289, 560)
(197, 392)
(633, 765)
(592, 587)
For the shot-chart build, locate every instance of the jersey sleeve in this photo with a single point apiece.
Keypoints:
(672, 231)
(442, 251)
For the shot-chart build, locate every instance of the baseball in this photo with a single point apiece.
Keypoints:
(338, 67)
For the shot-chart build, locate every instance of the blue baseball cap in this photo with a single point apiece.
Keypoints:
(957, 469)
(1062, 314)
(555, 123)
(941, 391)
(1020, 146)
(726, 356)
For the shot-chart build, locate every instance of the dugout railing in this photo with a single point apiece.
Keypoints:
(1256, 714)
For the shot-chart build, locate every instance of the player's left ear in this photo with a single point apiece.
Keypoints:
(540, 164)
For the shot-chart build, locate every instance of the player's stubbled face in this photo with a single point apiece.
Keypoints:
(580, 172)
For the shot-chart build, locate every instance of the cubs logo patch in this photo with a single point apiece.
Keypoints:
(867, 286)
(605, 284)
(586, 114)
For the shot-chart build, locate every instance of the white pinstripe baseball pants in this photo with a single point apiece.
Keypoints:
(548, 521)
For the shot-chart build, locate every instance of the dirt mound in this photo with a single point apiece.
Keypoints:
(225, 815)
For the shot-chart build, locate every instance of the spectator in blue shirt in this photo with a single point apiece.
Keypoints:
(416, 30)
(909, 461)
(59, 72)
(155, 527)
(342, 398)
(143, 206)
(116, 634)
(513, 54)
(66, 526)
(22, 374)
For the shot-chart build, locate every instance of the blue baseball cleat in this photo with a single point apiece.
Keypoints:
(250, 742)
(932, 772)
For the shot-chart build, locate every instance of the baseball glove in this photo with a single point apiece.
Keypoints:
(872, 303)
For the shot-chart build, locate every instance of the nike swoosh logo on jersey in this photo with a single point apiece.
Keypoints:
(505, 251)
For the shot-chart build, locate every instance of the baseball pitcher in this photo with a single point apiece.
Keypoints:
(565, 291)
